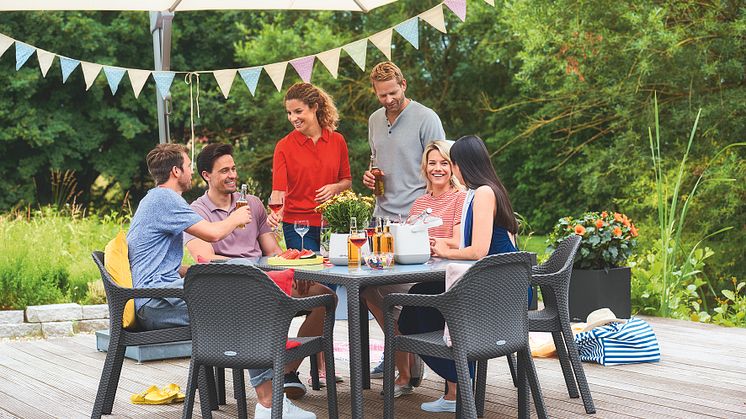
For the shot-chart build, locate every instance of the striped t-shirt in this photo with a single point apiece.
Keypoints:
(447, 206)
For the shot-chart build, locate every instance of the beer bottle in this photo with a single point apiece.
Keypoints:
(387, 239)
(378, 174)
(377, 237)
(242, 201)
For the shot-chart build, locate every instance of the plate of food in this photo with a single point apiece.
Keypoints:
(294, 257)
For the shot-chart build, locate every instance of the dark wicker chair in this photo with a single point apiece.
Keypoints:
(486, 313)
(120, 338)
(240, 319)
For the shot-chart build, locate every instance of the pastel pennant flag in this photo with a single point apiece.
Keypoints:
(276, 72)
(435, 18)
(5, 43)
(23, 52)
(490, 2)
(357, 51)
(304, 67)
(163, 80)
(458, 7)
(382, 40)
(408, 29)
(114, 77)
(67, 65)
(137, 80)
(45, 60)
(250, 76)
(330, 59)
(90, 72)
(225, 80)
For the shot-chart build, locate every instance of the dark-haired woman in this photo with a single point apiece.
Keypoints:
(488, 227)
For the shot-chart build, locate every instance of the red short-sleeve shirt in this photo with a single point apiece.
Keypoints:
(300, 167)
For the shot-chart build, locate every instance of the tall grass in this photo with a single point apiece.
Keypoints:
(676, 264)
(45, 256)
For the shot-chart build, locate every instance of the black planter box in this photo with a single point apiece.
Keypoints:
(594, 289)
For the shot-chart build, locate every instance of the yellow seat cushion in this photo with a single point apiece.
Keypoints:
(117, 263)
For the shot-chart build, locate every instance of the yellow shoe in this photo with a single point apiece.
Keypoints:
(175, 390)
(153, 395)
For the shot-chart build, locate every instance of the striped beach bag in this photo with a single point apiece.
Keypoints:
(619, 343)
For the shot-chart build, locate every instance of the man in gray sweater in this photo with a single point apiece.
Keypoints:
(398, 134)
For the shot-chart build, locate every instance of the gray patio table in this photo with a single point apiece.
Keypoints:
(354, 281)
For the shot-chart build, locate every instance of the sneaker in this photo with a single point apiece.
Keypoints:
(402, 390)
(289, 411)
(440, 405)
(416, 371)
(294, 389)
(377, 371)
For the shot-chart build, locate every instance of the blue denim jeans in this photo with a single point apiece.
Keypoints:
(311, 241)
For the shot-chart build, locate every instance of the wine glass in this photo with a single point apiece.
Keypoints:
(301, 227)
(275, 205)
(358, 238)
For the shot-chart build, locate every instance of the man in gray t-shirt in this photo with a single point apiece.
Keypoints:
(398, 134)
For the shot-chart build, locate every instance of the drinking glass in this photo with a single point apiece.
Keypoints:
(275, 205)
(301, 227)
(358, 238)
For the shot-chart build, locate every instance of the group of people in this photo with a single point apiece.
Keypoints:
(311, 165)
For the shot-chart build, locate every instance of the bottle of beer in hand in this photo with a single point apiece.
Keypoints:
(378, 174)
(242, 201)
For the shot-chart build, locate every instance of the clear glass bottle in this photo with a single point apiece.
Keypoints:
(377, 237)
(387, 239)
(242, 201)
(353, 252)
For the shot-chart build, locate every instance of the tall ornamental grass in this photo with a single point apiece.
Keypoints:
(45, 256)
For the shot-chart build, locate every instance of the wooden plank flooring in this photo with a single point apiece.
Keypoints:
(702, 374)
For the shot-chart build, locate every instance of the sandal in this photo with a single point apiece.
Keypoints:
(153, 395)
(175, 390)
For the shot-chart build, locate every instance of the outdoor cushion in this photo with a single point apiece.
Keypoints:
(117, 263)
(283, 279)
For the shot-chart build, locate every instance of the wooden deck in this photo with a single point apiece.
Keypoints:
(702, 374)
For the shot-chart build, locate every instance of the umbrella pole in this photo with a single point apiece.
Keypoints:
(160, 28)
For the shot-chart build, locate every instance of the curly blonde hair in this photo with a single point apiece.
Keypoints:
(444, 148)
(385, 71)
(311, 95)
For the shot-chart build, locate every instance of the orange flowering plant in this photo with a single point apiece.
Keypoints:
(608, 238)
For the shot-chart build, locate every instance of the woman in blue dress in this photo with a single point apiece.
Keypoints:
(488, 227)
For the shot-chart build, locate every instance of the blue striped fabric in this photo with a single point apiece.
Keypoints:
(619, 343)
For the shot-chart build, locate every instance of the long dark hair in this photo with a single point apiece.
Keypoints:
(470, 155)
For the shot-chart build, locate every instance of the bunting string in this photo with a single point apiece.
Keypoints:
(191, 79)
(303, 66)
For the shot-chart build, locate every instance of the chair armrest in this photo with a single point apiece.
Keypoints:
(544, 279)
(307, 303)
(416, 300)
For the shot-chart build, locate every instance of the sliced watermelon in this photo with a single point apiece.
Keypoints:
(307, 254)
(291, 254)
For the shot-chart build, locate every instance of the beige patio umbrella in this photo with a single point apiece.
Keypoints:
(162, 13)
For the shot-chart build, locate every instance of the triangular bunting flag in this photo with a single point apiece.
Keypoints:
(435, 18)
(5, 43)
(357, 51)
(382, 40)
(458, 7)
(90, 72)
(304, 67)
(137, 80)
(250, 76)
(490, 2)
(330, 59)
(113, 76)
(163, 80)
(45, 60)
(408, 29)
(67, 65)
(276, 72)
(225, 80)
(23, 52)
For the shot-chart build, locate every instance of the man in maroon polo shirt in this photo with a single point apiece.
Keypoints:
(216, 167)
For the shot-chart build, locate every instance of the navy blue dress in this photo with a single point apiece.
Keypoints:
(415, 320)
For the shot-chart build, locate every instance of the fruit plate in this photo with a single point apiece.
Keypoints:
(280, 261)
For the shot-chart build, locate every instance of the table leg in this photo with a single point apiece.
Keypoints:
(356, 370)
(364, 345)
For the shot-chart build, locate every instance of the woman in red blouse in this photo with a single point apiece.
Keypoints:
(310, 165)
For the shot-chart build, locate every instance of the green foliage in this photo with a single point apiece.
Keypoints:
(341, 208)
(46, 258)
(607, 239)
